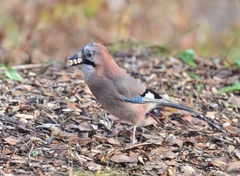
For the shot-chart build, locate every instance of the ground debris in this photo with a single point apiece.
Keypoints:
(51, 124)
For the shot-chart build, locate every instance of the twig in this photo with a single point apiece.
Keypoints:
(26, 66)
(211, 123)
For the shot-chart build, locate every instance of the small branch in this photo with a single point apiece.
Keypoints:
(211, 123)
(26, 66)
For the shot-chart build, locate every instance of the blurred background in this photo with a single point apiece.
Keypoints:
(41, 31)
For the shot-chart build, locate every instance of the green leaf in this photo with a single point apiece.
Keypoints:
(187, 56)
(11, 73)
(237, 63)
(200, 87)
(194, 75)
(35, 153)
(232, 88)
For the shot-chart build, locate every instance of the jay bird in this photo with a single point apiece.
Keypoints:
(118, 92)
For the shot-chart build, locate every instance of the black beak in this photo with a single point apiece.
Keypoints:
(73, 57)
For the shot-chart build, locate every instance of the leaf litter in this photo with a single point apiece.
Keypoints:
(51, 124)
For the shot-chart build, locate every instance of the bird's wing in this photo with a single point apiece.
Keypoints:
(149, 96)
(127, 85)
(134, 92)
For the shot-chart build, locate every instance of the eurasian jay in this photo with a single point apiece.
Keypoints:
(118, 92)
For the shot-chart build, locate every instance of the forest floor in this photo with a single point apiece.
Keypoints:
(51, 124)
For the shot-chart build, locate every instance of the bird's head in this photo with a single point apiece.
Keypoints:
(92, 58)
(84, 56)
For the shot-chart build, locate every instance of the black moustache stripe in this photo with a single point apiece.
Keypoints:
(88, 62)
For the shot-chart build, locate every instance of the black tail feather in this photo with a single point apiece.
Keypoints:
(177, 106)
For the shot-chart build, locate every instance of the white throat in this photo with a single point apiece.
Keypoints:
(87, 71)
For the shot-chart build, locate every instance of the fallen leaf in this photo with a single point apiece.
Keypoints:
(63, 78)
(55, 130)
(163, 153)
(23, 87)
(11, 140)
(188, 170)
(233, 167)
(18, 159)
(154, 139)
(25, 116)
(71, 105)
(36, 114)
(158, 165)
(237, 153)
(140, 158)
(235, 100)
(227, 125)
(219, 163)
(123, 158)
(211, 114)
(113, 141)
(84, 126)
(93, 166)
(230, 148)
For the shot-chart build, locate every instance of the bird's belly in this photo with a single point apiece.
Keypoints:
(135, 113)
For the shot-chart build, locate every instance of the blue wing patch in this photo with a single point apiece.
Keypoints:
(149, 94)
(137, 99)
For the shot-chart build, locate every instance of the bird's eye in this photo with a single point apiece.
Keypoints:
(89, 55)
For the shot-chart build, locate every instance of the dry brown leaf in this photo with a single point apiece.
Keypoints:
(24, 87)
(227, 125)
(188, 170)
(233, 167)
(11, 140)
(219, 163)
(211, 114)
(36, 114)
(71, 105)
(193, 121)
(158, 165)
(123, 158)
(230, 148)
(17, 92)
(84, 126)
(6, 151)
(235, 100)
(84, 141)
(55, 130)
(140, 158)
(18, 159)
(237, 153)
(202, 139)
(63, 78)
(93, 166)
(238, 140)
(218, 173)
(154, 139)
(76, 75)
(172, 140)
(192, 140)
(133, 154)
(24, 116)
(188, 118)
(163, 153)
(113, 141)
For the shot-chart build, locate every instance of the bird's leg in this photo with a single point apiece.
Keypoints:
(134, 140)
(156, 119)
